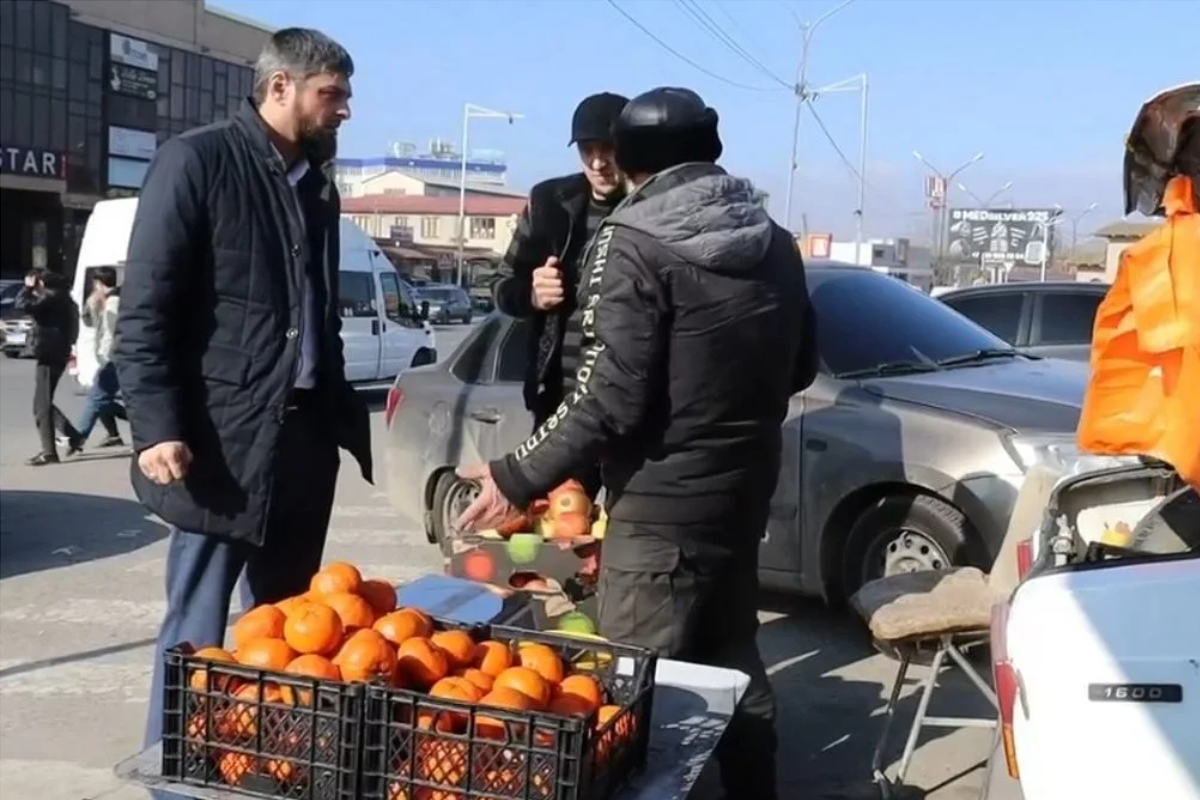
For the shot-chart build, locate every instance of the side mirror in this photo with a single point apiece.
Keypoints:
(424, 309)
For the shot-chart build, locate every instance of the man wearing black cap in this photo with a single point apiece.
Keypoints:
(542, 261)
(697, 330)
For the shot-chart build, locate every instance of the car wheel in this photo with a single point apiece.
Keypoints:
(467, 319)
(451, 496)
(900, 534)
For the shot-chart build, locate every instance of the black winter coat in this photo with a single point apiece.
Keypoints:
(208, 337)
(553, 223)
(697, 331)
(55, 322)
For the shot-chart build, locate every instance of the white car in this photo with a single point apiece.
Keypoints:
(1097, 653)
(383, 332)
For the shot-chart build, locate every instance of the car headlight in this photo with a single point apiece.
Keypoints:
(1061, 453)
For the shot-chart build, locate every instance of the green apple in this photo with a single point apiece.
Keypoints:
(577, 622)
(523, 547)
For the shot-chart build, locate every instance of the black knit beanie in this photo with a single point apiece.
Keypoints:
(663, 128)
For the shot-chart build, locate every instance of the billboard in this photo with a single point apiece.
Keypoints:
(1013, 237)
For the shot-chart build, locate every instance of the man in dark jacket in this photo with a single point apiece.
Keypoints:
(542, 261)
(697, 331)
(228, 344)
(46, 297)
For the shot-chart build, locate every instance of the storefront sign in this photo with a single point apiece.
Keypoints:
(133, 52)
(131, 143)
(132, 81)
(33, 162)
(126, 173)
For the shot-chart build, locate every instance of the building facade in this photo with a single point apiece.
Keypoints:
(441, 164)
(88, 90)
(1118, 236)
(432, 221)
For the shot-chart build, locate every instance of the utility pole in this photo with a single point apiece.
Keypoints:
(802, 96)
(941, 216)
(471, 111)
(1075, 226)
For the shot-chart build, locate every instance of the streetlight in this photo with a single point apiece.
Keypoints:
(858, 83)
(470, 110)
(947, 181)
(1075, 225)
(991, 198)
(802, 96)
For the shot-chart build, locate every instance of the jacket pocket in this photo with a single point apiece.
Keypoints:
(228, 365)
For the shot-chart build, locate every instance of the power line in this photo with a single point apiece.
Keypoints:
(888, 201)
(682, 57)
(714, 29)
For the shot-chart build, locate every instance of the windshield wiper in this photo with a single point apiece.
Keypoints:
(978, 356)
(889, 368)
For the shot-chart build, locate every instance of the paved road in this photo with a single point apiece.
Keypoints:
(81, 569)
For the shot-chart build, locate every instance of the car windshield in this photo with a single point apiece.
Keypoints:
(440, 295)
(9, 291)
(869, 322)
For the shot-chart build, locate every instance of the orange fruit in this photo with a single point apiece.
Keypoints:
(273, 654)
(481, 679)
(365, 656)
(199, 679)
(336, 577)
(605, 714)
(310, 665)
(511, 699)
(241, 720)
(584, 688)
(380, 594)
(449, 689)
(290, 604)
(314, 628)
(458, 646)
(527, 682)
(234, 766)
(543, 660)
(262, 622)
(570, 705)
(354, 611)
(492, 657)
(422, 662)
(404, 624)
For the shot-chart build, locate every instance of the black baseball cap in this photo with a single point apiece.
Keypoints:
(594, 117)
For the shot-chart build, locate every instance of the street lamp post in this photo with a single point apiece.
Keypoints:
(858, 83)
(802, 96)
(990, 199)
(471, 111)
(940, 215)
(1075, 226)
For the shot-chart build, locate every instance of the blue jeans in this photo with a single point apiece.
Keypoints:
(101, 404)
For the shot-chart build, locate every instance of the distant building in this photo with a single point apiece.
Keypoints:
(439, 163)
(1119, 236)
(895, 257)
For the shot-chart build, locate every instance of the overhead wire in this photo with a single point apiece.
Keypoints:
(695, 65)
(847, 162)
(714, 29)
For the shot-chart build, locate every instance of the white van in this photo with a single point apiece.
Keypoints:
(382, 330)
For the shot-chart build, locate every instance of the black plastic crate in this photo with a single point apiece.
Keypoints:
(258, 732)
(421, 748)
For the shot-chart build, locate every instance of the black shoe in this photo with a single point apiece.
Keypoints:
(113, 441)
(42, 459)
(73, 445)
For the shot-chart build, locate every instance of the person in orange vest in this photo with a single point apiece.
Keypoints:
(1145, 385)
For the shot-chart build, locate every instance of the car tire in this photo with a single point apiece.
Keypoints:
(451, 495)
(903, 533)
(467, 319)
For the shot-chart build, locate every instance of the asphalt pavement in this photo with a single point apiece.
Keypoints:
(81, 596)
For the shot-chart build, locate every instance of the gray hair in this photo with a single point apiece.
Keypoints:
(301, 53)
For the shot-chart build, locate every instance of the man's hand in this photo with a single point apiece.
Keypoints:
(490, 508)
(165, 462)
(547, 285)
(31, 281)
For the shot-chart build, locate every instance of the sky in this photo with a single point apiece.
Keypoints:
(1045, 89)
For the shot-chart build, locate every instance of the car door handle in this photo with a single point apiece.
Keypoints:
(374, 327)
(488, 415)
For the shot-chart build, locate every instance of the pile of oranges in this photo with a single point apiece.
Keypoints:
(348, 629)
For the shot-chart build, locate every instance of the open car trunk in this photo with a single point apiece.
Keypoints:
(1104, 637)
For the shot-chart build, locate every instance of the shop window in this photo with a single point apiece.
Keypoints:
(24, 67)
(41, 121)
(6, 62)
(6, 23)
(58, 125)
(77, 38)
(206, 74)
(58, 74)
(22, 112)
(41, 28)
(6, 120)
(23, 22)
(59, 23)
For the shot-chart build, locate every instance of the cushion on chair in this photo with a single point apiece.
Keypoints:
(926, 604)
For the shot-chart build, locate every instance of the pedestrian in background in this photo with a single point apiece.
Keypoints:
(228, 345)
(697, 333)
(100, 313)
(46, 297)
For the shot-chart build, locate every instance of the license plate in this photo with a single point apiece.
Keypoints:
(1135, 693)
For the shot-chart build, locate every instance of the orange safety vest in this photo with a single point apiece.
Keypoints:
(1144, 394)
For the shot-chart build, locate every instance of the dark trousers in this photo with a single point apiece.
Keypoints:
(700, 604)
(202, 571)
(101, 404)
(46, 415)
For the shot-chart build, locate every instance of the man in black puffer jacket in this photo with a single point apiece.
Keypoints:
(697, 332)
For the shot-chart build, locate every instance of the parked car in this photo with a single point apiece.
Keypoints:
(1094, 651)
(14, 325)
(383, 332)
(1053, 319)
(906, 453)
(447, 303)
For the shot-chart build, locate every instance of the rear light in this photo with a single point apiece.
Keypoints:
(1024, 558)
(1004, 675)
(394, 398)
